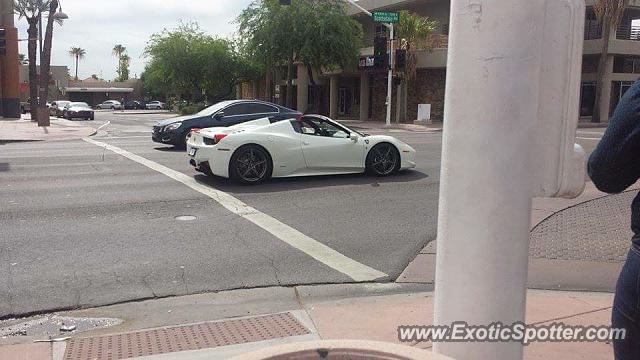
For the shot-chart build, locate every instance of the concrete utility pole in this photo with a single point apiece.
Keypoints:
(9, 65)
(511, 112)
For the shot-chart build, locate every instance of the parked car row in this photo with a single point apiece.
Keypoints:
(251, 141)
(56, 108)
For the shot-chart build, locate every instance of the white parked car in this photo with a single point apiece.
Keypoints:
(155, 105)
(110, 104)
(310, 145)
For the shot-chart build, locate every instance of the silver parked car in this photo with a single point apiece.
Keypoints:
(57, 106)
(110, 104)
(155, 105)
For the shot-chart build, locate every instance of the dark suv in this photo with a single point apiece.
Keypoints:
(176, 130)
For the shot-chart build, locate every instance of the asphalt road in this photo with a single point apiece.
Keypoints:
(83, 226)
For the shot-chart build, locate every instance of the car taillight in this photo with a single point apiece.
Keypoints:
(218, 137)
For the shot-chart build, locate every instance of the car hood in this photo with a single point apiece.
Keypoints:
(176, 119)
(79, 108)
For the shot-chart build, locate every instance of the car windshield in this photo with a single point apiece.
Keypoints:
(215, 108)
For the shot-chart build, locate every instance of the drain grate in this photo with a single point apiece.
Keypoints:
(183, 338)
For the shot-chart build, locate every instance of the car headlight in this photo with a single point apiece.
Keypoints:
(173, 126)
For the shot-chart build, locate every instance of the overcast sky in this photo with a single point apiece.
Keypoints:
(97, 26)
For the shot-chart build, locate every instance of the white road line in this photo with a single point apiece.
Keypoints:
(103, 125)
(588, 138)
(291, 236)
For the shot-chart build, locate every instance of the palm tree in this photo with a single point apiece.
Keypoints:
(79, 54)
(118, 51)
(45, 60)
(32, 11)
(609, 14)
(125, 60)
(413, 29)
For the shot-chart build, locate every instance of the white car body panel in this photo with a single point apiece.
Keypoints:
(292, 153)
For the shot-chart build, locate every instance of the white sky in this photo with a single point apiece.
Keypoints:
(97, 26)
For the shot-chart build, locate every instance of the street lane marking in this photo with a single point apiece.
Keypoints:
(284, 232)
(103, 125)
(588, 138)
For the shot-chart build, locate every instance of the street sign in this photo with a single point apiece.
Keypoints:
(386, 17)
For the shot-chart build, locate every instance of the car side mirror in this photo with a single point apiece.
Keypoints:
(354, 137)
(219, 115)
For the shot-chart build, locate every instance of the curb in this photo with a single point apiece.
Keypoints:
(166, 112)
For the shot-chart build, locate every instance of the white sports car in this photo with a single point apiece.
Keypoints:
(311, 145)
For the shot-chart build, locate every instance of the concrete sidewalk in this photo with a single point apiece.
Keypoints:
(377, 125)
(576, 244)
(357, 312)
(60, 129)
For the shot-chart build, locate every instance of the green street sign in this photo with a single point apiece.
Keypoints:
(386, 17)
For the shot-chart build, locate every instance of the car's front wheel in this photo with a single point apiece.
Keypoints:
(251, 164)
(382, 160)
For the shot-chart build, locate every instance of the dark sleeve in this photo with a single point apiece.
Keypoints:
(615, 163)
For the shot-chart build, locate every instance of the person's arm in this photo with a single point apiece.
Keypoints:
(615, 163)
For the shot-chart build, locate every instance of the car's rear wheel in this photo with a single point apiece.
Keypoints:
(383, 159)
(251, 164)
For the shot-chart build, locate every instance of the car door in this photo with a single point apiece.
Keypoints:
(328, 147)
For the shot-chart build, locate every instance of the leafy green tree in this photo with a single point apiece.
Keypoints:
(609, 14)
(189, 63)
(79, 54)
(318, 34)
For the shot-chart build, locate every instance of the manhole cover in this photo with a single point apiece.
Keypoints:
(184, 338)
(186, 218)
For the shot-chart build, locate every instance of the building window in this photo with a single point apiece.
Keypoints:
(618, 89)
(587, 98)
(590, 64)
(592, 27)
(445, 29)
(626, 65)
(629, 27)
(380, 31)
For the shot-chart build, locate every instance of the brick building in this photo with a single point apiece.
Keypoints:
(360, 93)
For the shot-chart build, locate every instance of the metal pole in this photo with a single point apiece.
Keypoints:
(390, 78)
(391, 58)
(491, 109)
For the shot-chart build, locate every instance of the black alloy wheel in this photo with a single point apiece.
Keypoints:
(250, 165)
(383, 160)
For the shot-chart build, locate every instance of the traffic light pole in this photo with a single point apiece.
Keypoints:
(391, 58)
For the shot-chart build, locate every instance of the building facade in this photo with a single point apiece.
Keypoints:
(58, 82)
(360, 92)
(9, 81)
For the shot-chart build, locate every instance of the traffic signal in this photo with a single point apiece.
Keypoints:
(401, 59)
(3, 42)
(381, 59)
